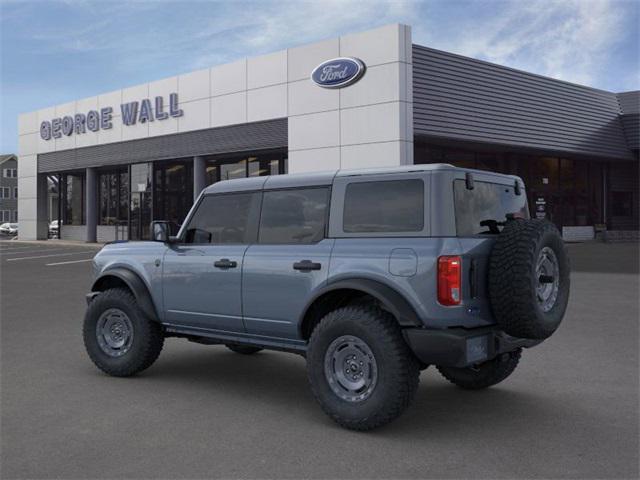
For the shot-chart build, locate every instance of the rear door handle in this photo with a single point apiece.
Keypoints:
(225, 263)
(306, 265)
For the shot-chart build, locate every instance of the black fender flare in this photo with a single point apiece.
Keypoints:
(135, 284)
(393, 301)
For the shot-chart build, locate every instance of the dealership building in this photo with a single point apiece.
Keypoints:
(116, 161)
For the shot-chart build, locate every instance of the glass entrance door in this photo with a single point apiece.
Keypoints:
(141, 200)
(140, 219)
(172, 191)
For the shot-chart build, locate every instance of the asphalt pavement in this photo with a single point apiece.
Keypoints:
(570, 410)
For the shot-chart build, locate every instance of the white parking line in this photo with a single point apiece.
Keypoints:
(19, 247)
(67, 263)
(44, 256)
(41, 250)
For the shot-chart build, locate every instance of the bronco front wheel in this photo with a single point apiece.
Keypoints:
(360, 369)
(118, 337)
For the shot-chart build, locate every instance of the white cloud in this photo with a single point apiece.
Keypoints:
(268, 26)
(569, 40)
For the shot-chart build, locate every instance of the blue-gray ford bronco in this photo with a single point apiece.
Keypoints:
(372, 275)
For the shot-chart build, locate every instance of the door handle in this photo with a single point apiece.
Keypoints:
(225, 263)
(306, 265)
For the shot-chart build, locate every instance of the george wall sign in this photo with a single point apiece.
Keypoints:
(338, 72)
(94, 120)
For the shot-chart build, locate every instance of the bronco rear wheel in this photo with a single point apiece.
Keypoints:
(118, 337)
(360, 369)
(529, 278)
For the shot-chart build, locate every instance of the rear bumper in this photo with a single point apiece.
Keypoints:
(459, 347)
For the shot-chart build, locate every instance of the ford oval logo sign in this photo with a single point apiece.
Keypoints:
(338, 72)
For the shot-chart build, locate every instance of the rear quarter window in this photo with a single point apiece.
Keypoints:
(384, 206)
(487, 201)
(294, 216)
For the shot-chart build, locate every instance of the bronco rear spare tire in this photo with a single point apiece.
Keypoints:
(529, 278)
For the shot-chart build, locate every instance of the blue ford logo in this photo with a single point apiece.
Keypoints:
(338, 72)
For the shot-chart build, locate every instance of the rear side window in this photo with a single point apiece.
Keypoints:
(384, 206)
(222, 219)
(487, 201)
(293, 216)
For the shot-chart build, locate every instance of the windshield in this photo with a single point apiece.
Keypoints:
(487, 201)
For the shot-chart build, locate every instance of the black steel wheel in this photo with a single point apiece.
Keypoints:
(360, 369)
(118, 337)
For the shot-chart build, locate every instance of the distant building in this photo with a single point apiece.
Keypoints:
(9, 188)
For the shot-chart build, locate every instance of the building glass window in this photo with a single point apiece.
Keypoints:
(73, 191)
(113, 194)
(621, 204)
(6, 192)
(241, 166)
(566, 191)
(173, 191)
(141, 175)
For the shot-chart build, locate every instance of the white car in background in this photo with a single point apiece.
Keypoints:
(9, 228)
(54, 229)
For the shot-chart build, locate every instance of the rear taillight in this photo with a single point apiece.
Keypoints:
(449, 280)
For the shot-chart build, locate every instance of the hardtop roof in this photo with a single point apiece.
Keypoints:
(326, 177)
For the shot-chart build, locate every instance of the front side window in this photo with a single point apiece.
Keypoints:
(224, 219)
(296, 216)
(487, 201)
(391, 206)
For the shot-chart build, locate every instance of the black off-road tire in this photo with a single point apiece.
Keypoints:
(243, 349)
(513, 280)
(397, 368)
(146, 343)
(484, 375)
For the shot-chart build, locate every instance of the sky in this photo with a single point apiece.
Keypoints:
(55, 51)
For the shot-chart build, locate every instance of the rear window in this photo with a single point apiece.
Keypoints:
(384, 206)
(487, 201)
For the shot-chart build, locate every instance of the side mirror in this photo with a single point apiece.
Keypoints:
(160, 231)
